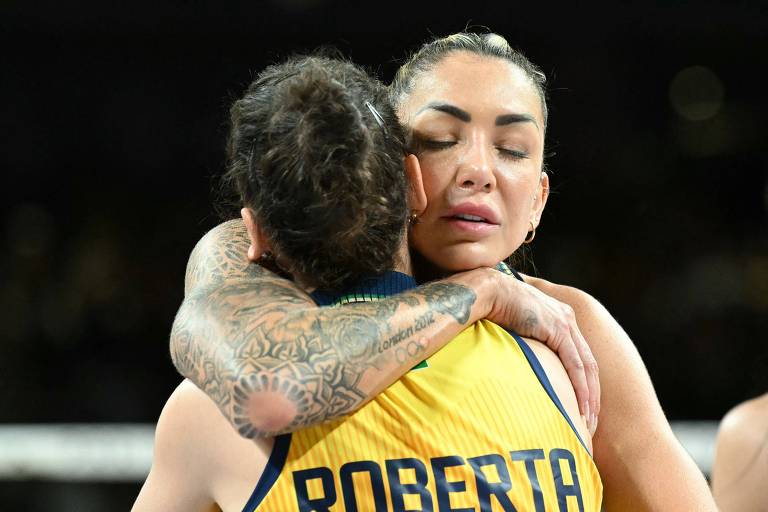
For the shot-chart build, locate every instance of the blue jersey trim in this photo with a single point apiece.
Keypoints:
(370, 288)
(544, 380)
(271, 472)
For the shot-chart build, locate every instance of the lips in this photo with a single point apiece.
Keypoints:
(473, 218)
(469, 212)
(471, 221)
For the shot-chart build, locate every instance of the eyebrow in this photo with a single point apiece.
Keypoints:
(463, 115)
(449, 109)
(506, 119)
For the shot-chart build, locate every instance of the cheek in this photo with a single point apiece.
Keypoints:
(518, 202)
(517, 206)
(435, 182)
(417, 238)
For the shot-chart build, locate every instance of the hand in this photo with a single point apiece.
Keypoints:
(531, 313)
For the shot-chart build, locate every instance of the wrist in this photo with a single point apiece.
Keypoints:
(483, 282)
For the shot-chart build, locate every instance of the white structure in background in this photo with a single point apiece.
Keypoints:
(123, 452)
(76, 452)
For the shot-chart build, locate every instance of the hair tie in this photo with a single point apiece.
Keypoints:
(377, 117)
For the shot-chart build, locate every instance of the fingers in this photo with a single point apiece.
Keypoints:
(583, 365)
(568, 352)
(532, 313)
(591, 372)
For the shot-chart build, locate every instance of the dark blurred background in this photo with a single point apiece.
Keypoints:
(113, 124)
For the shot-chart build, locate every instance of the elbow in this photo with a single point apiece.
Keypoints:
(180, 349)
(263, 410)
(186, 342)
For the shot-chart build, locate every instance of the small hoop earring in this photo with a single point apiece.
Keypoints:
(531, 234)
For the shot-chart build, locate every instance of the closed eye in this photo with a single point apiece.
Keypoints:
(512, 154)
(437, 144)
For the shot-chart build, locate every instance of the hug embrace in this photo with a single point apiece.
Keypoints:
(359, 339)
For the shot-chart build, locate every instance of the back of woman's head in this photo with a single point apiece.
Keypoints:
(315, 150)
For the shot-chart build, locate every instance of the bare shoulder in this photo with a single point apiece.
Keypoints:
(584, 304)
(625, 383)
(186, 420)
(189, 471)
(632, 424)
(747, 423)
(220, 254)
(187, 399)
(188, 423)
(741, 455)
(178, 479)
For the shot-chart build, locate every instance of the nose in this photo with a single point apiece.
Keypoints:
(475, 171)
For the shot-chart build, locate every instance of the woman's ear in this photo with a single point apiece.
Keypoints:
(540, 200)
(259, 243)
(417, 198)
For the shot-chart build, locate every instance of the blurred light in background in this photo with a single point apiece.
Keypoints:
(696, 93)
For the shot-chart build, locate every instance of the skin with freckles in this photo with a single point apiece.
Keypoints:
(481, 156)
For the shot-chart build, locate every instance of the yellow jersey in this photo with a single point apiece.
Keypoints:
(477, 427)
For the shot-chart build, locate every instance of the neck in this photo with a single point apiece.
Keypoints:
(423, 270)
(403, 262)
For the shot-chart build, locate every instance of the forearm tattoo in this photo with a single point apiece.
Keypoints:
(243, 332)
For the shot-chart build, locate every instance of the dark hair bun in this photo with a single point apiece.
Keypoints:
(317, 134)
(330, 127)
(326, 183)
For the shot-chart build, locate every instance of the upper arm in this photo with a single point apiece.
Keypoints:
(227, 297)
(741, 457)
(625, 383)
(220, 254)
(177, 480)
(221, 282)
(642, 464)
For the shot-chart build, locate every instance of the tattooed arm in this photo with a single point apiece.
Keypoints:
(275, 362)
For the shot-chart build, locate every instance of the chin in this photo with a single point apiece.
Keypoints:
(460, 259)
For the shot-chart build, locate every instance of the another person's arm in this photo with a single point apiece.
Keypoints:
(274, 362)
(741, 458)
(179, 479)
(641, 463)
